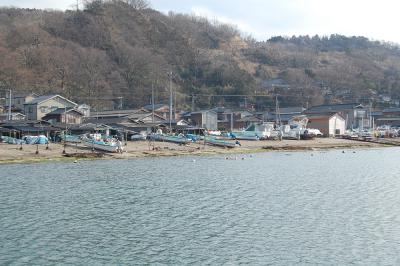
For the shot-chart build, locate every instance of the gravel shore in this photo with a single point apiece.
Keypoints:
(54, 152)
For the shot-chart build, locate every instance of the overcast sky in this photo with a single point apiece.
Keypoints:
(376, 19)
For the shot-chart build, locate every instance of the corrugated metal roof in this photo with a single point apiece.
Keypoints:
(62, 111)
(332, 107)
(44, 98)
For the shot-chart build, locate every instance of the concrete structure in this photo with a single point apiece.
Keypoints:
(329, 124)
(40, 106)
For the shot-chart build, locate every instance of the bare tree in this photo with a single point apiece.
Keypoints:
(137, 4)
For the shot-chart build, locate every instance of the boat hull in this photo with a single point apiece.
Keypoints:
(104, 147)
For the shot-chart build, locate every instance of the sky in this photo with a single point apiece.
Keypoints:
(375, 19)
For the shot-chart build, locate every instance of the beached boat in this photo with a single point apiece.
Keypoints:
(244, 136)
(104, 146)
(297, 129)
(71, 138)
(256, 132)
(167, 138)
(220, 143)
(138, 136)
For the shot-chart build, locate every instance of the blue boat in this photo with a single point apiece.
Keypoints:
(167, 138)
(219, 143)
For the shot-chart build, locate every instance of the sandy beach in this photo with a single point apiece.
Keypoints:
(54, 152)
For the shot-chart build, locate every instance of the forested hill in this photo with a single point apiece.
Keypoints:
(114, 49)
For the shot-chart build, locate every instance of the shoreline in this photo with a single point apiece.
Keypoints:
(11, 154)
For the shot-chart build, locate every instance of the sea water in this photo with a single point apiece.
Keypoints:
(276, 208)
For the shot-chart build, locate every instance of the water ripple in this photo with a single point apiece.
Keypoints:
(332, 208)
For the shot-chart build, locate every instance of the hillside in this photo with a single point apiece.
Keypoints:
(113, 49)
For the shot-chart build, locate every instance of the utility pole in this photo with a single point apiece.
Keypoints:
(170, 101)
(152, 102)
(231, 122)
(120, 107)
(192, 102)
(9, 106)
(277, 112)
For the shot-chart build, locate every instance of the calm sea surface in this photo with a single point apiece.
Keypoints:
(274, 208)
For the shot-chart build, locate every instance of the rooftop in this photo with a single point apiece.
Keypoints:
(44, 98)
(63, 110)
(333, 107)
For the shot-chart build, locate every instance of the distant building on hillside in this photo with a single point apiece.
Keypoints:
(274, 84)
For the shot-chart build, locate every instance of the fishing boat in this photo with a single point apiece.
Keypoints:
(139, 136)
(220, 143)
(297, 129)
(245, 136)
(168, 138)
(71, 138)
(256, 132)
(101, 145)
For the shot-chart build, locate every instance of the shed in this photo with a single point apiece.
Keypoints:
(332, 124)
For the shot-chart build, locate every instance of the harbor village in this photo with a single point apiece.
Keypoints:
(51, 127)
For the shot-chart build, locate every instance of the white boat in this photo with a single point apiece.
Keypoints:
(256, 132)
(111, 146)
(297, 129)
(104, 146)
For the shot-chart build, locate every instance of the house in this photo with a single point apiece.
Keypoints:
(388, 116)
(229, 120)
(207, 119)
(160, 109)
(135, 115)
(14, 117)
(274, 84)
(84, 109)
(284, 114)
(64, 115)
(42, 105)
(330, 125)
(355, 114)
(23, 128)
(19, 99)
